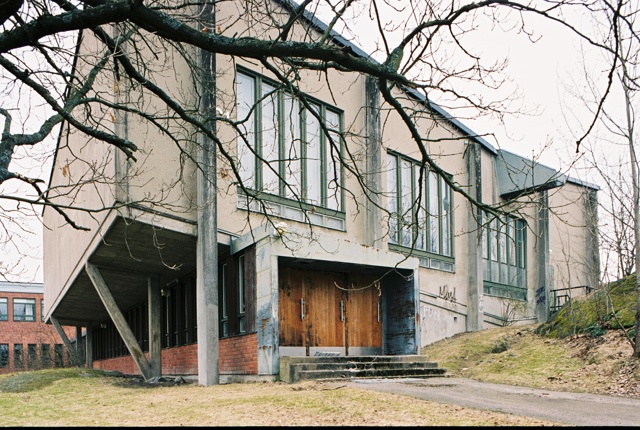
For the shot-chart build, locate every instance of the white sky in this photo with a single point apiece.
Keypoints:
(539, 70)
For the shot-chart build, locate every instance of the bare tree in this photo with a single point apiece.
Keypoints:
(618, 163)
(48, 83)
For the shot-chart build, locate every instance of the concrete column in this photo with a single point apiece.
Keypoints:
(373, 164)
(155, 313)
(267, 308)
(79, 346)
(542, 259)
(475, 279)
(88, 349)
(207, 247)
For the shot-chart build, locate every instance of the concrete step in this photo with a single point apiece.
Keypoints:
(346, 374)
(294, 369)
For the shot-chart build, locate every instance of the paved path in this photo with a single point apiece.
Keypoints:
(567, 408)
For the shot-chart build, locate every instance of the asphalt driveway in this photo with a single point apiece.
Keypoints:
(567, 408)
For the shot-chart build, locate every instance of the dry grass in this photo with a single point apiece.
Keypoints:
(516, 355)
(512, 355)
(74, 397)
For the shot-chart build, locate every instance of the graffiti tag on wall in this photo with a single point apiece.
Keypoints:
(540, 296)
(444, 293)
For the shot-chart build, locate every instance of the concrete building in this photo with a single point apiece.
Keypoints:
(26, 342)
(311, 257)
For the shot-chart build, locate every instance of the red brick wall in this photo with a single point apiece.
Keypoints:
(238, 356)
(28, 332)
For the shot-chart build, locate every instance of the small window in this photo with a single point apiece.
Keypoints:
(17, 356)
(4, 309)
(4, 355)
(58, 353)
(42, 310)
(24, 309)
(33, 355)
(45, 355)
(224, 317)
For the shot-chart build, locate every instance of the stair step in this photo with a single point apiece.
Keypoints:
(343, 374)
(293, 369)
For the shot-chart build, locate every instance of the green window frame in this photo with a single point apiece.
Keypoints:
(504, 243)
(283, 150)
(420, 207)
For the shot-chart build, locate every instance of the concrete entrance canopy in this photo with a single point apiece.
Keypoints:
(127, 252)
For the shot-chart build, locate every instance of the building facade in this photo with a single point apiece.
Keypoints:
(327, 229)
(26, 342)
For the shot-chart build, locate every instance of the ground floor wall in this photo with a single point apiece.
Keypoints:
(237, 356)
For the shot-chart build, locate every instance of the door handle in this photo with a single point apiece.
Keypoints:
(301, 309)
(341, 310)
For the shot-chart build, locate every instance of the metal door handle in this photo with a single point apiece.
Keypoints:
(301, 309)
(341, 310)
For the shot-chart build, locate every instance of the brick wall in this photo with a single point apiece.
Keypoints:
(29, 332)
(238, 356)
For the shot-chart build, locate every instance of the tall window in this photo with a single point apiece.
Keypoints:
(24, 309)
(17, 356)
(45, 355)
(224, 317)
(32, 355)
(4, 309)
(504, 256)
(4, 355)
(58, 355)
(242, 327)
(419, 202)
(42, 310)
(286, 149)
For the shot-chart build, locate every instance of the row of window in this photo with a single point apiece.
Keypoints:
(33, 360)
(23, 309)
(289, 148)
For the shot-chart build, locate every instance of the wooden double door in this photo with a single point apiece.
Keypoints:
(329, 309)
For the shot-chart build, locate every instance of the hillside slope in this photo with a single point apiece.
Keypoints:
(582, 348)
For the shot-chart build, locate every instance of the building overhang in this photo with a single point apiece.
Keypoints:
(128, 254)
(518, 176)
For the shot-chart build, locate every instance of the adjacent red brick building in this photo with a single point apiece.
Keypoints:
(26, 342)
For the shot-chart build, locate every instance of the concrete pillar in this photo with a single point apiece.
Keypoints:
(155, 313)
(267, 307)
(79, 346)
(88, 347)
(207, 247)
(542, 259)
(373, 164)
(475, 279)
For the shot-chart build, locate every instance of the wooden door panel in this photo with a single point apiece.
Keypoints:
(325, 327)
(364, 324)
(290, 323)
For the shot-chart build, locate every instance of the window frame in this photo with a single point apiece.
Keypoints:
(437, 255)
(328, 204)
(4, 355)
(504, 275)
(4, 301)
(19, 317)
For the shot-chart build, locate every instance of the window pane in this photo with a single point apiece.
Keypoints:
(292, 151)
(332, 158)
(446, 219)
(246, 100)
(502, 240)
(314, 158)
(24, 309)
(405, 187)
(4, 309)
(4, 354)
(421, 214)
(17, 356)
(392, 197)
(270, 142)
(511, 242)
(434, 221)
